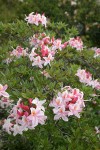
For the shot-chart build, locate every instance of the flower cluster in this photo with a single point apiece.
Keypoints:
(19, 51)
(44, 49)
(86, 77)
(76, 43)
(36, 19)
(97, 52)
(68, 102)
(24, 117)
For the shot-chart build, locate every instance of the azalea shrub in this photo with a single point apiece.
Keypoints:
(49, 87)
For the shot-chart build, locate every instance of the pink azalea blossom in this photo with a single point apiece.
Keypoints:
(7, 125)
(15, 113)
(32, 55)
(37, 62)
(25, 123)
(48, 59)
(34, 41)
(36, 19)
(17, 129)
(43, 20)
(46, 40)
(68, 102)
(95, 84)
(56, 102)
(23, 117)
(60, 113)
(29, 19)
(44, 49)
(19, 51)
(97, 52)
(39, 104)
(57, 44)
(76, 43)
(66, 96)
(3, 91)
(75, 109)
(86, 77)
(37, 116)
(64, 45)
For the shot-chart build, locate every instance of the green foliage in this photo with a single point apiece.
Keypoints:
(78, 134)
